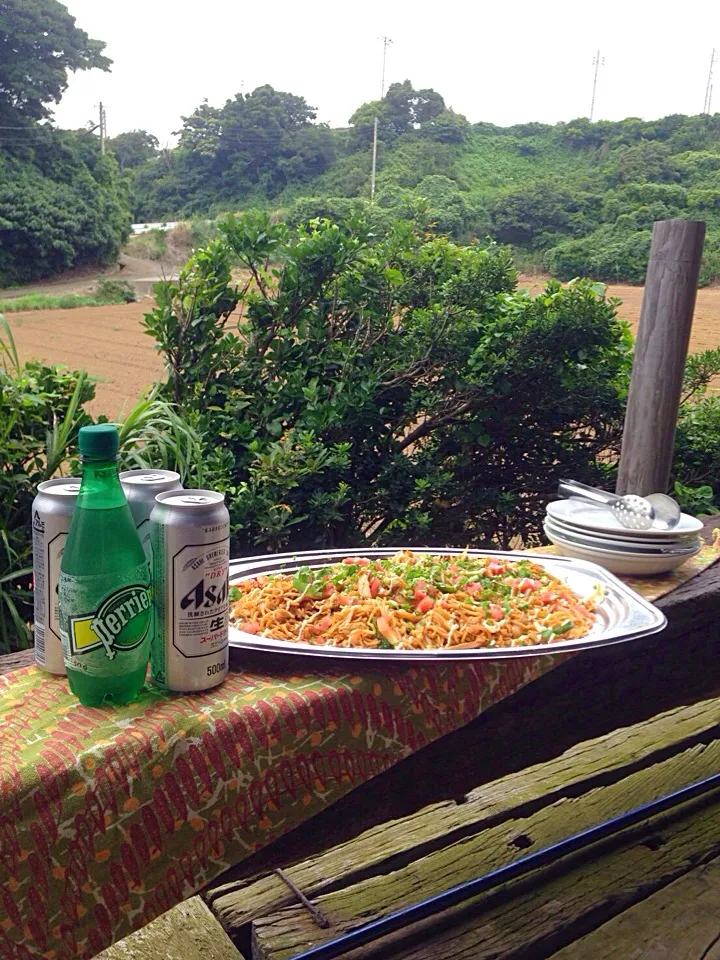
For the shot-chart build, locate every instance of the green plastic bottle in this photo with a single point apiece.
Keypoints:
(104, 582)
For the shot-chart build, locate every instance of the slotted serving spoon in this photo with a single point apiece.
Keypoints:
(636, 513)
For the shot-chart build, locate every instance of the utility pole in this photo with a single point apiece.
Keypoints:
(598, 62)
(709, 87)
(386, 41)
(103, 128)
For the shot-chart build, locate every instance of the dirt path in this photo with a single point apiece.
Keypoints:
(112, 346)
(141, 273)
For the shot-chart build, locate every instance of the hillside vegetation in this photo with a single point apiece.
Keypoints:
(62, 204)
(574, 198)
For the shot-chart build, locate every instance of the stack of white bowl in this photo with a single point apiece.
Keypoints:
(587, 532)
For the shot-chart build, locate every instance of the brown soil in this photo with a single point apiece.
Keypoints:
(108, 342)
(112, 346)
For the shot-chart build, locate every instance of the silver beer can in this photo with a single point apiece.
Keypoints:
(141, 487)
(52, 511)
(191, 558)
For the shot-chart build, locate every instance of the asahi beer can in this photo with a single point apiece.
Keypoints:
(141, 487)
(52, 511)
(191, 558)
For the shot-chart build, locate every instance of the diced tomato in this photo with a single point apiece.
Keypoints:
(374, 586)
(527, 585)
(321, 626)
(495, 569)
(496, 611)
(250, 626)
(425, 604)
(472, 587)
(547, 597)
(349, 562)
(420, 590)
(328, 589)
(343, 600)
(511, 581)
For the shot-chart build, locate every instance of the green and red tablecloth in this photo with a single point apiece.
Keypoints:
(110, 816)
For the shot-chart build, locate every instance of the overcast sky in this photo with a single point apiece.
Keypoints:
(500, 62)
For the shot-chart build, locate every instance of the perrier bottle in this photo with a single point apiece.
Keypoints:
(104, 582)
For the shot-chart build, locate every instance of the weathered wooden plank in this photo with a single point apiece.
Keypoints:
(387, 846)
(530, 918)
(660, 353)
(679, 922)
(187, 932)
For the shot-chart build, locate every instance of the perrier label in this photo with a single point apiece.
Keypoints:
(120, 624)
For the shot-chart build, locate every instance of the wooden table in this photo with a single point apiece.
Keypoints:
(603, 733)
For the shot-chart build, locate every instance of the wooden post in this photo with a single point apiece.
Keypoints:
(660, 353)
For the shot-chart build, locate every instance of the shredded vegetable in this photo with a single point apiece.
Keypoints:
(414, 601)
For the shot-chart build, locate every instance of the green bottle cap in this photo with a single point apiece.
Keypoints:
(99, 442)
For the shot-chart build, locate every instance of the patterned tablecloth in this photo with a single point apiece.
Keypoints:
(108, 817)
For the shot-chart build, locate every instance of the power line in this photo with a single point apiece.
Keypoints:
(598, 62)
(386, 41)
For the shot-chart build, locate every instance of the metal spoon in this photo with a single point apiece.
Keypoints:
(636, 513)
(667, 511)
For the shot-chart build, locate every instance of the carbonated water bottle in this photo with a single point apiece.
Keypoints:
(105, 599)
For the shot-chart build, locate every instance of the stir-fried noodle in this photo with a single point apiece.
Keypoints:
(414, 601)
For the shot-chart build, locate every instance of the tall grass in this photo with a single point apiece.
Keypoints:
(106, 292)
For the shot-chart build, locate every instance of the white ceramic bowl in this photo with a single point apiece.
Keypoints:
(631, 564)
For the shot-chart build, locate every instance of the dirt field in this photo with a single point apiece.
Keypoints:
(108, 342)
(111, 345)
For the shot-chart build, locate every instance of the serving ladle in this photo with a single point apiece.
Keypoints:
(657, 511)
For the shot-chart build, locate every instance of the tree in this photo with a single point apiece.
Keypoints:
(39, 44)
(404, 109)
(266, 137)
(645, 161)
(64, 207)
(409, 109)
(133, 148)
(528, 214)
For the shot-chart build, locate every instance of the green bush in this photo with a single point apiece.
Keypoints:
(393, 390)
(114, 291)
(611, 256)
(337, 209)
(541, 212)
(696, 463)
(41, 410)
